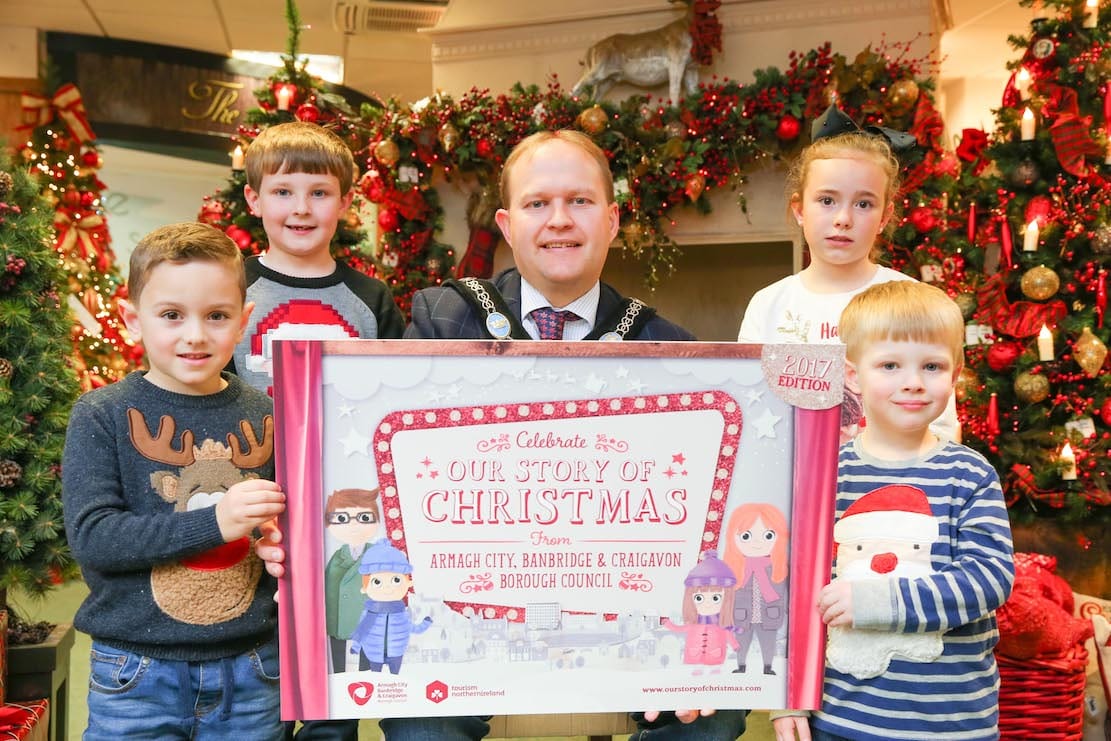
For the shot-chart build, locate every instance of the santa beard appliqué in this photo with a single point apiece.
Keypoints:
(867, 653)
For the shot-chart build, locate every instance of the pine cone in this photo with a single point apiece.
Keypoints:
(6, 367)
(10, 473)
(5, 184)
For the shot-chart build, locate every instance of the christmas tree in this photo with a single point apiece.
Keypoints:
(37, 389)
(61, 148)
(292, 94)
(1027, 260)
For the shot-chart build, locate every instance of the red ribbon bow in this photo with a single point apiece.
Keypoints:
(1021, 318)
(38, 110)
(1071, 132)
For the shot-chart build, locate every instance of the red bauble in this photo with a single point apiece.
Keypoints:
(87, 198)
(788, 128)
(90, 158)
(240, 236)
(1002, 355)
(387, 219)
(484, 148)
(1105, 412)
(71, 197)
(1039, 208)
(923, 218)
(308, 113)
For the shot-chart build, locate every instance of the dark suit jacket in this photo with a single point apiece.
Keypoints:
(440, 313)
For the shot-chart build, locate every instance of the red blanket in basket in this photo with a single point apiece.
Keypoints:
(1038, 618)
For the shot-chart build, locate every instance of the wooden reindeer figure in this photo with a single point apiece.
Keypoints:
(648, 58)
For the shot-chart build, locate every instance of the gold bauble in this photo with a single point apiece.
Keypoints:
(676, 129)
(902, 95)
(1031, 387)
(387, 152)
(1040, 283)
(448, 136)
(1089, 352)
(966, 382)
(352, 220)
(593, 120)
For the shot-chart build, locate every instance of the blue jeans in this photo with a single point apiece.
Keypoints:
(138, 697)
(724, 725)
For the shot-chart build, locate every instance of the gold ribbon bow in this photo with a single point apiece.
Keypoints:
(85, 233)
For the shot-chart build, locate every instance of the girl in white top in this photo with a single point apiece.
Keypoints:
(841, 191)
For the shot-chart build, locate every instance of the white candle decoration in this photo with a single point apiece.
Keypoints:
(1069, 459)
(1107, 154)
(1045, 344)
(1030, 238)
(1091, 14)
(1028, 125)
(1022, 82)
(284, 96)
(237, 158)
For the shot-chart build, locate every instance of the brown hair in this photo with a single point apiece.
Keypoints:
(728, 596)
(853, 145)
(187, 241)
(298, 146)
(349, 498)
(902, 310)
(531, 143)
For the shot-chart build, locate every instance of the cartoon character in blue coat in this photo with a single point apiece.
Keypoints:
(387, 623)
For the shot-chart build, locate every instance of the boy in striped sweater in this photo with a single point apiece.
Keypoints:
(923, 544)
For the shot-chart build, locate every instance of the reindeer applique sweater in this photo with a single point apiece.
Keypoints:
(141, 472)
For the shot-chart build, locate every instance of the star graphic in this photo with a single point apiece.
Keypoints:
(419, 475)
(765, 424)
(354, 442)
(426, 462)
(346, 410)
(621, 372)
(453, 391)
(636, 386)
(679, 458)
(754, 395)
(669, 472)
(435, 397)
(433, 474)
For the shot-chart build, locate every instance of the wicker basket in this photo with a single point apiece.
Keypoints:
(1042, 699)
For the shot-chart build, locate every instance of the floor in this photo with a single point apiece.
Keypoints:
(62, 603)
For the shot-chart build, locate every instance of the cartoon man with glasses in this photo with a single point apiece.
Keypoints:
(351, 517)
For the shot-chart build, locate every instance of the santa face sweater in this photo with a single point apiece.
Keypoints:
(141, 472)
(346, 304)
(954, 696)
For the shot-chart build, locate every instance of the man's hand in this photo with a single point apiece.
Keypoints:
(835, 603)
(268, 548)
(684, 716)
(246, 506)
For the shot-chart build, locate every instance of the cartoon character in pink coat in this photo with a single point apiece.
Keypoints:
(707, 612)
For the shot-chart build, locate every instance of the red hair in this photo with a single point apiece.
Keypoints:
(742, 519)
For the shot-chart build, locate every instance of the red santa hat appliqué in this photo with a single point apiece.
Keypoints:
(895, 511)
(295, 319)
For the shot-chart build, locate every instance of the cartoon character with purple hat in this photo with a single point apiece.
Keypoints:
(707, 612)
(387, 623)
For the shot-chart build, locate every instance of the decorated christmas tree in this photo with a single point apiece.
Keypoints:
(61, 150)
(292, 94)
(37, 389)
(1027, 260)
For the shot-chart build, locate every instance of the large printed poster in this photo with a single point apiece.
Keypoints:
(530, 527)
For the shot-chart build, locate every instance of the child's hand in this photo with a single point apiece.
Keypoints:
(835, 603)
(268, 549)
(248, 505)
(787, 727)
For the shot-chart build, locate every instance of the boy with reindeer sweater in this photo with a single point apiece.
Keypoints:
(166, 475)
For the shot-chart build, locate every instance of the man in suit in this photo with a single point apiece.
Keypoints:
(559, 217)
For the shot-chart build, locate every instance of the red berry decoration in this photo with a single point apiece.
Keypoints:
(788, 128)
(1002, 355)
(484, 148)
(308, 113)
(90, 158)
(923, 218)
(387, 219)
(212, 212)
(87, 199)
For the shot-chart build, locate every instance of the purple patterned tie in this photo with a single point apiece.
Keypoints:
(550, 322)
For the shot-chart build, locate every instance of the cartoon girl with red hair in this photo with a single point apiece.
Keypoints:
(756, 550)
